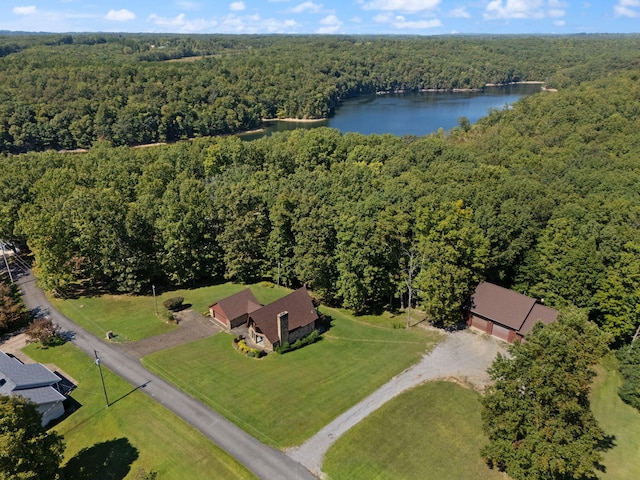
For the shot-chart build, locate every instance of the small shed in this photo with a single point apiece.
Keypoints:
(504, 313)
(233, 311)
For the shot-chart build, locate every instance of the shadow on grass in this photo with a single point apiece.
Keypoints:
(110, 460)
(129, 393)
(606, 443)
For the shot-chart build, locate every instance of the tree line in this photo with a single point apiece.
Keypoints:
(541, 197)
(66, 92)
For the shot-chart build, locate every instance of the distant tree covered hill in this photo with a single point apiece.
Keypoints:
(67, 91)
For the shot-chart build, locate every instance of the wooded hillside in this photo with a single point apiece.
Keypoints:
(542, 197)
(67, 91)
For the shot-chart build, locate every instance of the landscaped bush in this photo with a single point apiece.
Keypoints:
(301, 342)
(629, 358)
(173, 303)
(241, 345)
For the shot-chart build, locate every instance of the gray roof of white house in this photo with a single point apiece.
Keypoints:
(32, 381)
(41, 395)
(25, 375)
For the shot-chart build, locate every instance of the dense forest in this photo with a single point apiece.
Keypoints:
(65, 92)
(542, 197)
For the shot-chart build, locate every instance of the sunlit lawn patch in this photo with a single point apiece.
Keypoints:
(132, 317)
(134, 435)
(617, 419)
(431, 431)
(284, 399)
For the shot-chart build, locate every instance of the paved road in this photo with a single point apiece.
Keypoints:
(462, 355)
(263, 461)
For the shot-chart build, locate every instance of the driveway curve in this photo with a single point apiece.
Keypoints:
(464, 356)
(263, 461)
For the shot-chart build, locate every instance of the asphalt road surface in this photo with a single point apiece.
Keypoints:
(263, 461)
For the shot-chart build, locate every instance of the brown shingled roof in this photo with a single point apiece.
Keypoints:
(299, 306)
(239, 304)
(539, 312)
(506, 307)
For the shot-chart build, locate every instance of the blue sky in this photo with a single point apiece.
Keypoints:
(423, 17)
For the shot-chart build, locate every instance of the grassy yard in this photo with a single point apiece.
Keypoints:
(431, 431)
(132, 318)
(617, 418)
(284, 399)
(134, 435)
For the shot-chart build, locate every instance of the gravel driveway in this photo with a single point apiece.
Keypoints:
(464, 356)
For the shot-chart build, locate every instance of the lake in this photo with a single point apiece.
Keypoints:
(409, 113)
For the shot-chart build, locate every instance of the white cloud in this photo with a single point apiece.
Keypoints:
(400, 5)
(256, 24)
(181, 24)
(123, 15)
(625, 8)
(307, 7)
(559, 23)
(30, 10)
(506, 9)
(237, 6)
(556, 13)
(330, 24)
(460, 13)
(401, 23)
(188, 5)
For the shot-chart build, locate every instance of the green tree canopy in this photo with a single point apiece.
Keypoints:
(537, 414)
(27, 451)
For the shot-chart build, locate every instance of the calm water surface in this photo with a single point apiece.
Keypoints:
(410, 114)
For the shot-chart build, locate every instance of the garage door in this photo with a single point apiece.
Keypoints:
(479, 323)
(500, 332)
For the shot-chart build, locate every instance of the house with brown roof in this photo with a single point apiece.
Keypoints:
(284, 321)
(504, 313)
(233, 311)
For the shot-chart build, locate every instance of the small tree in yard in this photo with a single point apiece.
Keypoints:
(537, 413)
(43, 330)
(13, 315)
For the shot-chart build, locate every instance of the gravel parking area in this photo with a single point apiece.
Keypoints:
(462, 356)
(191, 326)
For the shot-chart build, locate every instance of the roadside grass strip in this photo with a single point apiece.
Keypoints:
(134, 435)
(431, 431)
(133, 318)
(622, 462)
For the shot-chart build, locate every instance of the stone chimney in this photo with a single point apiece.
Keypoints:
(283, 327)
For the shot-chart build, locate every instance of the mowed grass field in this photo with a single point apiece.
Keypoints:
(134, 435)
(280, 399)
(431, 431)
(133, 318)
(284, 399)
(622, 462)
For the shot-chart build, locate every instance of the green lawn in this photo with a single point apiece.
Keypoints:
(622, 462)
(432, 431)
(134, 435)
(132, 318)
(284, 399)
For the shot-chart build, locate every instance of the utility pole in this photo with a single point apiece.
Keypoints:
(4, 255)
(104, 388)
(155, 300)
(279, 272)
